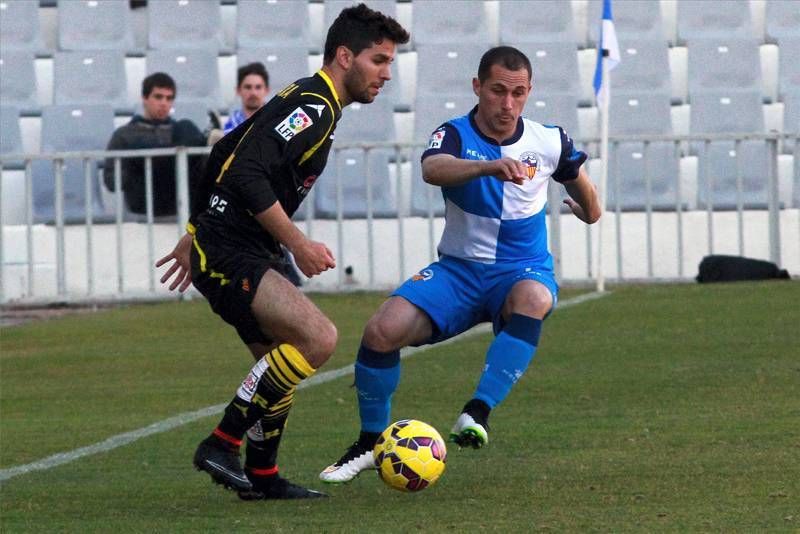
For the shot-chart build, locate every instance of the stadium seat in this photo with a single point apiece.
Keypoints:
(71, 128)
(88, 77)
(536, 21)
(724, 63)
(720, 172)
(11, 139)
(18, 85)
(632, 164)
(448, 68)
(366, 123)
(714, 19)
(93, 25)
(195, 111)
(729, 112)
(284, 64)
(634, 20)
(184, 24)
(726, 112)
(426, 199)
(272, 23)
(431, 111)
(782, 20)
(354, 168)
(554, 109)
(438, 23)
(555, 66)
(789, 66)
(639, 113)
(19, 26)
(644, 67)
(194, 71)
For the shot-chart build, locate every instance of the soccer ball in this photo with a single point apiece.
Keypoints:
(410, 455)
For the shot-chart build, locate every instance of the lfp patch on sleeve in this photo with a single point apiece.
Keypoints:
(296, 122)
(436, 139)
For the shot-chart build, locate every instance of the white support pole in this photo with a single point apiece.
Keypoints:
(601, 280)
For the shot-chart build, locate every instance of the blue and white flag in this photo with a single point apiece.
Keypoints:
(608, 52)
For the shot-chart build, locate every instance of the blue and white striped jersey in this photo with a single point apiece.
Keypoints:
(491, 221)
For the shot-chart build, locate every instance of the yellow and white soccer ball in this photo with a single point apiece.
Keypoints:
(410, 455)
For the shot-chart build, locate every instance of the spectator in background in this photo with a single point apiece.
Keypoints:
(154, 128)
(252, 87)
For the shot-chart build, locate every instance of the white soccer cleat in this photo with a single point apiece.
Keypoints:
(358, 458)
(467, 432)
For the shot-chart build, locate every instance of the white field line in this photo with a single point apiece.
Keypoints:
(187, 417)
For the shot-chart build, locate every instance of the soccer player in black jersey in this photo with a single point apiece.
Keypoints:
(256, 177)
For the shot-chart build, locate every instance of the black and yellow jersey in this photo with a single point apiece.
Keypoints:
(275, 155)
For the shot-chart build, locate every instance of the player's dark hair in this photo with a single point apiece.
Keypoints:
(360, 27)
(256, 68)
(507, 57)
(157, 79)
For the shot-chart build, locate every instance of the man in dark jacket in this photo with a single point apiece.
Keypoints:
(154, 128)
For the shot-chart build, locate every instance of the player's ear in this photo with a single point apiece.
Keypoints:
(344, 56)
(476, 86)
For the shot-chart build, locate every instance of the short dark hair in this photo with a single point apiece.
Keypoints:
(507, 57)
(256, 68)
(359, 27)
(157, 79)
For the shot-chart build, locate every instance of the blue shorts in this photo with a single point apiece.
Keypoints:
(458, 294)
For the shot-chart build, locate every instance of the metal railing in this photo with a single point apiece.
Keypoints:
(387, 246)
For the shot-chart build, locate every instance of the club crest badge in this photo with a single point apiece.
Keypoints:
(531, 163)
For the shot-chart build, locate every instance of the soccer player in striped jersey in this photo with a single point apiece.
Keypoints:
(493, 167)
(256, 178)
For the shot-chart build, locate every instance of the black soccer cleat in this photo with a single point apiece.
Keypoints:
(279, 488)
(222, 464)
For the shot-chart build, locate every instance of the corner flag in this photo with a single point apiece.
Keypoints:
(607, 52)
(607, 59)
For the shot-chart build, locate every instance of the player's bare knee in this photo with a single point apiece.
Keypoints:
(324, 341)
(532, 299)
(380, 336)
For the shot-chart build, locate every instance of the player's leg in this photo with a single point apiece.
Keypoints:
(307, 339)
(509, 355)
(396, 324)
(435, 304)
(263, 440)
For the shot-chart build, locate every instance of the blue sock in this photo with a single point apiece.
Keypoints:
(508, 358)
(377, 376)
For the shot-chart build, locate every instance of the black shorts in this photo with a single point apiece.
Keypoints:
(228, 278)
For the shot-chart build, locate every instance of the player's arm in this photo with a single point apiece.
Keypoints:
(269, 154)
(584, 201)
(442, 164)
(447, 170)
(310, 256)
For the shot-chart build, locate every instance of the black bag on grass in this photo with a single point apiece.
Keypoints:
(716, 268)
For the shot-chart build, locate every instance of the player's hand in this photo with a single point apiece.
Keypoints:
(312, 257)
(181, 265)
(509, 170)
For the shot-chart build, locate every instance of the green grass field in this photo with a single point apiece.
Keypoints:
(666, 408)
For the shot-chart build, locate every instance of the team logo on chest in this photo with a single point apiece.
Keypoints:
(531, 163)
